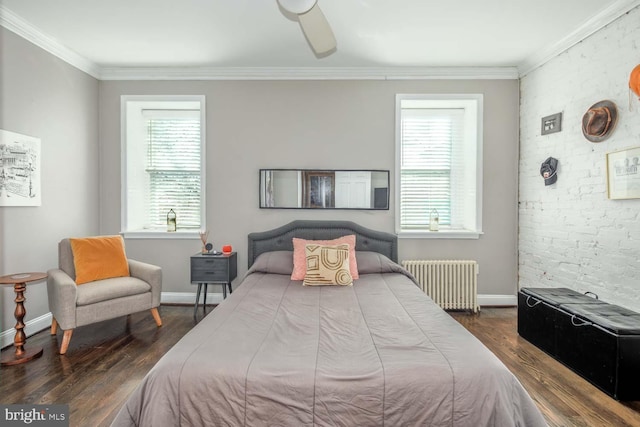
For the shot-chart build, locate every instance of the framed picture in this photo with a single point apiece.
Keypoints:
(319, 189)
(623, 174)
(551, 124)
(19, 170)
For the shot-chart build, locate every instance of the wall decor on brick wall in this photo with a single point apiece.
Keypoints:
(551, 124)
(634, 86)
(634, 80)
(548, 170)
(599, 121)
(623, 174)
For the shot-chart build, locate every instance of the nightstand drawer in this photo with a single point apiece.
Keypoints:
(208, 276)
(209, 270)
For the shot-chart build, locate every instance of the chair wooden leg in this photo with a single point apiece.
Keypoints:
(54, 326)
(156, 316)
(66, 338)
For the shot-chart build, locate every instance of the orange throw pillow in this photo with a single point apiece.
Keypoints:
(300, 256)
(97, 258)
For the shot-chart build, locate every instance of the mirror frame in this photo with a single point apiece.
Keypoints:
(323, 172)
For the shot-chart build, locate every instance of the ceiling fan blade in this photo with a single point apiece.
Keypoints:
(317, 30)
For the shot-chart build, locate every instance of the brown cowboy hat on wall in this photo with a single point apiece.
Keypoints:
(599, 121)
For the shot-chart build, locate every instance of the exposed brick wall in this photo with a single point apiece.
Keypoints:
(570, 234)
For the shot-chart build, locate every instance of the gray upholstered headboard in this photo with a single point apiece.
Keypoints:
(279, 239)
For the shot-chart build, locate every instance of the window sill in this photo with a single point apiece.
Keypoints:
(158, 234)
(443, 234)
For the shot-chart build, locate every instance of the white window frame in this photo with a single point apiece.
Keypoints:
(443, 101)
(155, 101)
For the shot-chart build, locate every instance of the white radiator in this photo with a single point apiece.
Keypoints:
(452, 284)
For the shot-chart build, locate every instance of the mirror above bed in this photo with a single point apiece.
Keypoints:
(324, 189)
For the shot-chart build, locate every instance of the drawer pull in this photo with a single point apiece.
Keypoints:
(532, 305)
(582, 322)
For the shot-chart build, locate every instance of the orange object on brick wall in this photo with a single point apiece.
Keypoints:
(634, 80)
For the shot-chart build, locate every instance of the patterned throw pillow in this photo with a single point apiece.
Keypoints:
(299, 254)
(327, 265)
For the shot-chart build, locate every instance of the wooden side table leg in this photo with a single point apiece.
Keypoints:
(20, 338)
(20, 355)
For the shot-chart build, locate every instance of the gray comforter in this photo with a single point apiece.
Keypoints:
(378, 353)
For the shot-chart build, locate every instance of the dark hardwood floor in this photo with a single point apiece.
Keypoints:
(104, 364)
(106, 361)
(564, 398)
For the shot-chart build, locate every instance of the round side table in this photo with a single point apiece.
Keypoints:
(19, 282)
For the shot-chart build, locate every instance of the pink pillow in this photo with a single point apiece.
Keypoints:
(300, 257)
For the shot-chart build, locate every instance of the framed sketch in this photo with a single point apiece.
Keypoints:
(19, 170)
(623, 174)
(319, 189)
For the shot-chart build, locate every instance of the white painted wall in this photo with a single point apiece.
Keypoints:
(42, 96)
(571, 235)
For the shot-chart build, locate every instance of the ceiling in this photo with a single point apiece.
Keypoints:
(119, 34)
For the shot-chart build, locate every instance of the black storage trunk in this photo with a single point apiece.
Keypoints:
(538, 312)
(599, 341)
(602, 343)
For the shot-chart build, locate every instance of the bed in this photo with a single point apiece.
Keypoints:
(378, 353)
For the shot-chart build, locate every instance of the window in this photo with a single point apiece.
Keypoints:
(439, 165)
(163, 164)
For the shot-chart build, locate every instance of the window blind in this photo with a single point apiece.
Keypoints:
(430, 139)
(174, 167)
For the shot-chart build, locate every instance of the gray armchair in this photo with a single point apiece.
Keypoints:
(74, 306)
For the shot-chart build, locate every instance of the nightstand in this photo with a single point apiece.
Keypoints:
(215, 269)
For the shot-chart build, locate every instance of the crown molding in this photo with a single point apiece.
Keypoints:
(597, 22)
(27, 31)
(24, 29)
(306, 73)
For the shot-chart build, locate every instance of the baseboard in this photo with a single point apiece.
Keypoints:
(188, 298)
(497, 300)
(30, 327)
